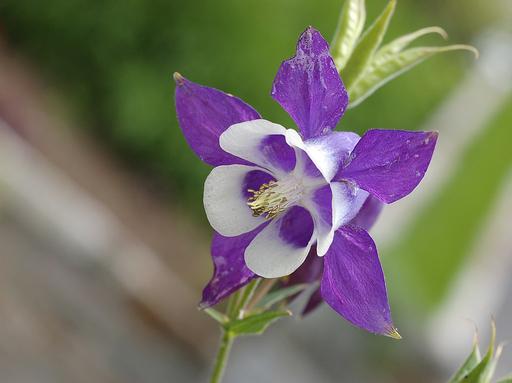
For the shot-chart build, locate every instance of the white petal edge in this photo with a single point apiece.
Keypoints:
(344, 210)
(270, 257)
(243, 140)
(323, 230)
(324, 154)
(325, 236)
(225, 205)
(319, 152)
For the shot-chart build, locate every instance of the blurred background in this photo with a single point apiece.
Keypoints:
(104, 247)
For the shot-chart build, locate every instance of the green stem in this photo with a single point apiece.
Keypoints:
(222, 356)
(237, 304)
(232, 309)
(266, 286)
(246, 296)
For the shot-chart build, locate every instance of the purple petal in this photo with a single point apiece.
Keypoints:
(353, 282)
(203, 114)
(368, 214)
(309, 87)
(230, 272)
(296, 227)
(278, 153)
(253, 180)
(322, 200)
(389, 163)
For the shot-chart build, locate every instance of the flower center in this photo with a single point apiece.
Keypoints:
(274, 197)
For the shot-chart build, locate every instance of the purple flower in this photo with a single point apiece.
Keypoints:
(275, 193)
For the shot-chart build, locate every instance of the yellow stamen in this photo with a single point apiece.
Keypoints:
(266, 200)
(274, 197)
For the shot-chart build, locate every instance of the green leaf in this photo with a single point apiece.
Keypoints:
(246, 295)
(391, 65)
(363, 53)
(491, 367)
(255, 324)
(218, 316)
(475, 370)
(279, 295)
(483, 371)
(402, 42)
(350, 26)
(469, 364)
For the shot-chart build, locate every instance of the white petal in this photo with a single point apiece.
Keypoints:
(243, 140)
(326, 152)
(314, 203)
(225, 205)
(346, 203)
(325, 236)
(294, 139)
(271, 257)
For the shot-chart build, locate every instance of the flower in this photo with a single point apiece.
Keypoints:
(274, 193)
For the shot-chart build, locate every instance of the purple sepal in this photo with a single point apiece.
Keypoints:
(203, 114)
(309, 87)
(368, 214)
(315, 300)
(389, 163)
(230, 272)
(353, 282)
(309, 272)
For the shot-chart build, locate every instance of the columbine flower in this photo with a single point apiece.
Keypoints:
(274, 193)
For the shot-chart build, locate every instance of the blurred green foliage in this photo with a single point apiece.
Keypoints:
(433, 247)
